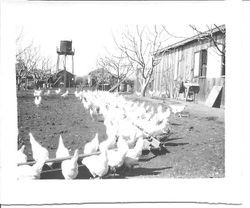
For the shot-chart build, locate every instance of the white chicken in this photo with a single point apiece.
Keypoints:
(116, 157)
(133, 155)
(58, 91)
(30, 172)
(21, 157)
(97, 164)
(109, 143)
(91, 112)
(155, 126)
(159, 109)
(177, 109)
(86, 104)
(160, 116)
(38, 151)
(65, 94)
(149, 114)
(37, 93)
(138, 93)
(77, 94)
(70, 167)
(38, 101)
(61, 151)
(47, 93)
(147, 108)
(91, 146)
(151, 93)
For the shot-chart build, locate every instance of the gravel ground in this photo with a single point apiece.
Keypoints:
(196, 146)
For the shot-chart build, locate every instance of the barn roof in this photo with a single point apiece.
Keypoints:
(191, 39)
(62, 71)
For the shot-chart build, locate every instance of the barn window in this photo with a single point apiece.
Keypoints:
(203, 63)
(196, 64)
(200, 63)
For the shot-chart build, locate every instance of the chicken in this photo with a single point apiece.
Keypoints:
(147, 108)
(177, 108)
(133, 155)
(97, 164)
(37, 150)
(91, 146)
(138, 93)
(149, 115)
(155, 125)
(37, 93)
(61, 151)
(65, 94)
(21, 157)
(142, 105)
(126, 128)
(159, 109)
(70, 167)
(116, 157)
(47, 93)
(151, 93)
(31, 172)
(132, 135)
(38, 101)
(112, 133)
(58, 91)
(86, 104)
(91, 112)
(160, 116)
(109, 143)
(77, 94)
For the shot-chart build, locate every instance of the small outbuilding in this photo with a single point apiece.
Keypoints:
(58, 79)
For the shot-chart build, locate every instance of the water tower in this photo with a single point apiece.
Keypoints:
(65, 50)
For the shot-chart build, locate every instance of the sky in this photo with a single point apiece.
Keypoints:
(89, 26)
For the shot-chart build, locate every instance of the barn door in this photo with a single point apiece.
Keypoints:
(196, 64)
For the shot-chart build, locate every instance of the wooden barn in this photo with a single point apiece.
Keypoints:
(198, 61)
(58, 79)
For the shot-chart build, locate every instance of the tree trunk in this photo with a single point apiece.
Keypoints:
(26, 83)
(118, 88)
(143, 90)
(144, 87)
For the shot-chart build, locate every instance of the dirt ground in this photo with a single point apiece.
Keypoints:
(196, 146)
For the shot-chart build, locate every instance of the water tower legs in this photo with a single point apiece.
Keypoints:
(65, 73)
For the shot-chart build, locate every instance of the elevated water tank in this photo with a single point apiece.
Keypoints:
(66, 46)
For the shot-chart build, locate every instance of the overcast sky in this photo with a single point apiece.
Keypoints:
(89, 26)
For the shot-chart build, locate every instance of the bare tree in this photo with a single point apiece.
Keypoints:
(139, 46)
(43, 70)
(116, 66)
(29, 62)
(219, 43)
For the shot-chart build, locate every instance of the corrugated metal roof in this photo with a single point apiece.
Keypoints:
(189, 40)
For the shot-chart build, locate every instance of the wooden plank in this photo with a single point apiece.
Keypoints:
(213, 96)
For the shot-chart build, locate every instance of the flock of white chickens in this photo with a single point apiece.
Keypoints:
(127, 124)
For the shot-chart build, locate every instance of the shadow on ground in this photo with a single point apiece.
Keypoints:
(139, 171)
(55, 172)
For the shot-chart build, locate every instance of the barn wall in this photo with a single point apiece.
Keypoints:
(69, 81)
(178, 65)
(206, 87)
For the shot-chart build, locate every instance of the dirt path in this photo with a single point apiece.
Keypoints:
(195, 147)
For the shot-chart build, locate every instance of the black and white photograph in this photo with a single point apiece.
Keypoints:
(139, 111)
(108, 95)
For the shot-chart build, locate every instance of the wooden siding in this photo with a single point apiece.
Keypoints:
(206, 87)
(178, 65)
